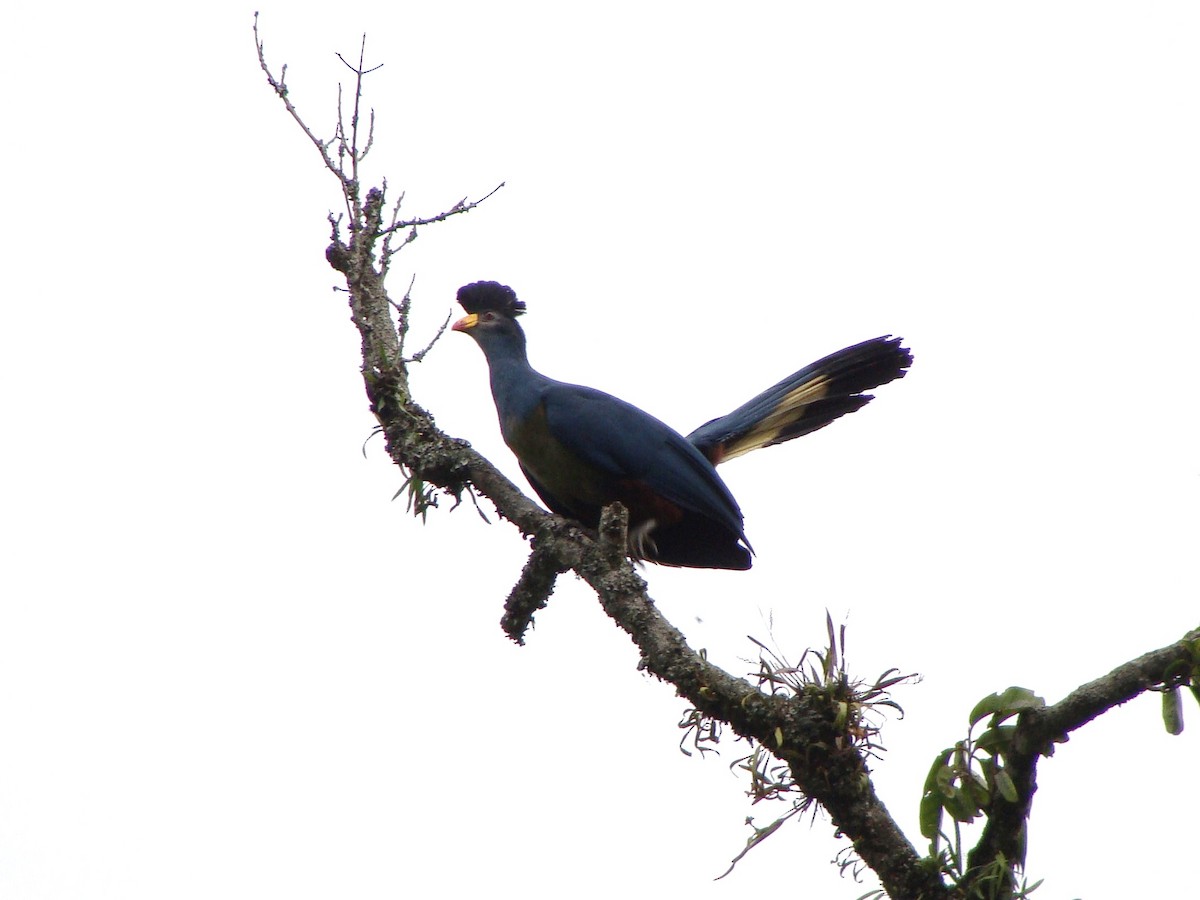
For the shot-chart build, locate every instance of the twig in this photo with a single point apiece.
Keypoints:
(421, 354)
(280, 87)
(359, 74)
(461, 206)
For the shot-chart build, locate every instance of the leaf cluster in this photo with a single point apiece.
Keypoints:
(820, 678)
(965, 780)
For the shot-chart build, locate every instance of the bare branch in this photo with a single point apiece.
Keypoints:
(461, 206)
(358, 80)
(280, 87)
(359, 69)
(422, 353)
(402, 309)
(387, 251)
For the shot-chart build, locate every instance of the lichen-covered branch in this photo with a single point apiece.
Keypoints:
(825, 761)
(1039, 728)
(531, 592)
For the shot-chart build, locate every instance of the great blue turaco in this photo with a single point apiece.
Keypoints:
(582, 449)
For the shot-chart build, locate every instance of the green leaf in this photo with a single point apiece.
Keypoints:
(961, 807)
(931, 815)
(931, 799)
(1004, 784)
(939, 764)
(1006, 704)
(984, 708)
(997, 739)
(976, 789)
(1016, 699)
(1172, 711)
(944, 781)
(831, 659)
(842, 715)
(987, 766)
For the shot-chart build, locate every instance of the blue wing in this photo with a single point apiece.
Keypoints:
(628, 444)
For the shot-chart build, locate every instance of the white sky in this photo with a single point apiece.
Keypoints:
(230, 666)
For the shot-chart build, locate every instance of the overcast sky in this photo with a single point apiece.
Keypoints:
(231, 666)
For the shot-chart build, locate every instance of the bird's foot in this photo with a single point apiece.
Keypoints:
(641, 545)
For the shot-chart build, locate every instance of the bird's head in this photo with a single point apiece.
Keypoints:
(492, 309)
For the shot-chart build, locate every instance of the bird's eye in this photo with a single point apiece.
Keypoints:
(488, 317)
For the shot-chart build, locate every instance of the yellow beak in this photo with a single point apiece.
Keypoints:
(466, 323)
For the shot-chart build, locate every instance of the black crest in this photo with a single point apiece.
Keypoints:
(490, 296)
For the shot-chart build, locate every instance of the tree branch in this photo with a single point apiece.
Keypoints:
(279, 85)
(530, 593)
(813, 726)
(804, 730)
(1039, 729)
(824, 757)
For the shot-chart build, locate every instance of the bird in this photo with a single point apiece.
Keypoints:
(582, 449)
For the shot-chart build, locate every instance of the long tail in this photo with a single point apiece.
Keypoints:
(806, 400)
